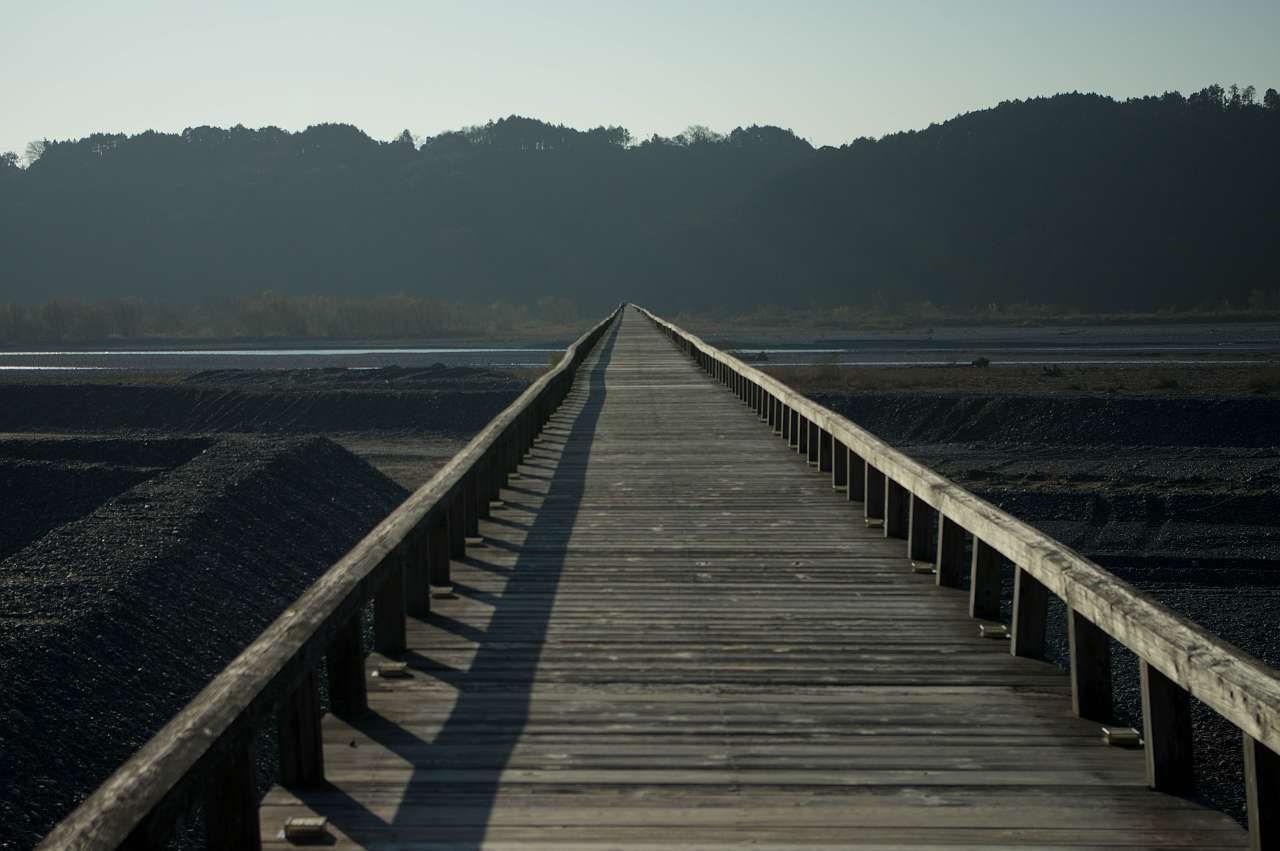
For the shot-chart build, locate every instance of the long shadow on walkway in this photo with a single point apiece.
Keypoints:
(456, 777)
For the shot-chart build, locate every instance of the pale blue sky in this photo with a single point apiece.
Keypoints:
(831, 71)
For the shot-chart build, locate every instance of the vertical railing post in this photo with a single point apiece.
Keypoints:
(298, 733)
(856, 489)
(1090, 651)
(825, 445)
(839, 466)
(897, 507)
(1030, 615)
(417, 584)
(231, 803)
(873, 496)
(1262, 794)
(388, 609)
(920, 535)
(348, 697)
(457, 527)
(949, 559)
(813, 445)
(984, 582)
(439, 553)
(1166, 724)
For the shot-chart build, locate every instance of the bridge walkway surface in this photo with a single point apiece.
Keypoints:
(677, 636)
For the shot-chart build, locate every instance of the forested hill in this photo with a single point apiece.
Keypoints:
(1075, 199)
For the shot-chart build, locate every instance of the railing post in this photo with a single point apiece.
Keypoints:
(457, 527)
(1262, 794)
(802, 436)
(797, 426)
(348, 697)
(471, 518)
(786, 425)
(417, 583)
(950, 556)
(856, 489)
(825, 445)
(873, 497)
(439, 553)
(231, 803)
(1030, 615)
(1090, 650)
(839, 466)
(920, 534)
(896, 509)
(779, 417)
(1166, 725)
(388, 609)
(299, 735)
(984, 582)
(813, 445)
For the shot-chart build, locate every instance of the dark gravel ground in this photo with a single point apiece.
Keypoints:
(1180, 497)
(440, 399)
(113, 622)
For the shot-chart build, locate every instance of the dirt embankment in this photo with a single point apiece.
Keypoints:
(111, 623)
(438, 399)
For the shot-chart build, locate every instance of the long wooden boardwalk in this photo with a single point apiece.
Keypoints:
(676, 635)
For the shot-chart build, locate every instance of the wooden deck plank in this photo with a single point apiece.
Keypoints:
(678, 636)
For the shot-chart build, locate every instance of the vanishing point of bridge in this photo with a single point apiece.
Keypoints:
(657, 628)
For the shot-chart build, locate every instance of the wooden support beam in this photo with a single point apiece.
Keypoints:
(873, 493)
(1262, 794)
(231, 803)
(348, 697)
(949, 559)
(984, 583)
(457, 527)
(298, 733)
(1090, 651)
(1030, 615)
(417, 582)
(839, 465)
(388, 611)
(921, 538)
(856, 490)
(439, 555)
(897, 509)
(470, 518)
(1166, 726)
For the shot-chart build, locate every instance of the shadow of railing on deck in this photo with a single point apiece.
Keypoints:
(454, 784)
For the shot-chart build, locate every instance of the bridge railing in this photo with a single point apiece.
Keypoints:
(204, 755)
(1178, 659)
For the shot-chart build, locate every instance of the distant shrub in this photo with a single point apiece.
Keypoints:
(1167, 384)
(1054, 371)
(981, 363)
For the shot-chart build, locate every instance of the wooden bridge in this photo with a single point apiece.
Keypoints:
(663, 601)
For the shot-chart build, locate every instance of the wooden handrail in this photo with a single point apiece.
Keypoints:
(193, 754)
(1174, 651)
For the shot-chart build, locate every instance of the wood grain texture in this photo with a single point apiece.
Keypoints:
(677, 636)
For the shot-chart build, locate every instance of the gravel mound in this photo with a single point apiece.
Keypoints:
(113, 622)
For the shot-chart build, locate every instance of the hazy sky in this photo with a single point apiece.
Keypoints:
(829, 70)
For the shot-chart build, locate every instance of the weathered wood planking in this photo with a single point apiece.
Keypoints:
(678, 635)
